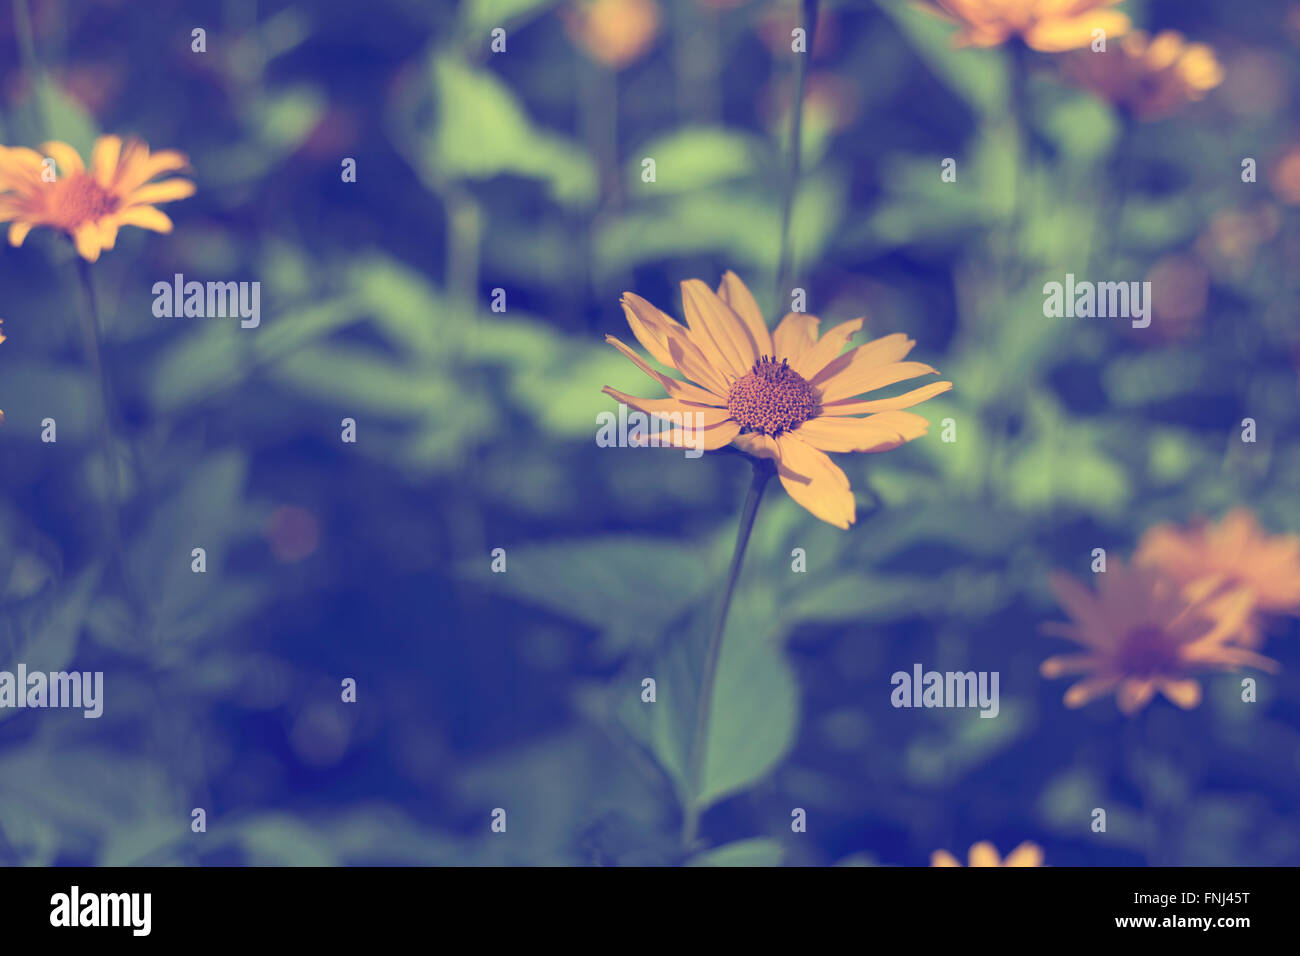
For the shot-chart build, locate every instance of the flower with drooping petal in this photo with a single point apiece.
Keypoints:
(1051, 26)
(1151, 77)
(985, 853)
(88, 205)
(1222, 558)
(786, 395)
(1142, 635)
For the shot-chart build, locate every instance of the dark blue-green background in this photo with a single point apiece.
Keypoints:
(521, 171)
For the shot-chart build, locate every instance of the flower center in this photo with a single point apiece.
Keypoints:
(772, 398)
(78, 199)
(1146, 652)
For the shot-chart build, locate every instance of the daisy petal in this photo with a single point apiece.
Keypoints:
(65, 157)
(827, 348)
(882, 351)
(86, 239)
(684, 391)
(167, 191)
(796, 334)
(713, 320)
(877, 433)
(915, 397)
(814, 481)
(18, 232)
(146, 217)
(734, 292)
(104, 157)
(855, 381)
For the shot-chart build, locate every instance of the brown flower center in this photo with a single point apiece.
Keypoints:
(78, 199)
(772, 398)
(1146, 652)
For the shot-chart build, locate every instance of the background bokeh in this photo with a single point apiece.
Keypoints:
(521, 171)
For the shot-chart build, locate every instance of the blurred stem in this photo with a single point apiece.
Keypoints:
(795, 146)
(763, 472)
(32, 64)
(90, 341)
(695, 48)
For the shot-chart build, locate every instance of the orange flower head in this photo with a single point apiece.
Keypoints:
(613, 32)
(784, 395)
(88, 205)
(1142, 634)
(1152, 77)
(1235, 554)
(985, 853)
(1051, 26)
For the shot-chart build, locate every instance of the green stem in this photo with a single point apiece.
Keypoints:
(90, 339)
(784, 262)
(32, 64)
(763, 472)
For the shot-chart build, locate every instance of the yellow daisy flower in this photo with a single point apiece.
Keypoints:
(1143, 634)
(1233, 555)
(1051, 26)
(1149, 76)
(786, 395)
(89, 205)
(985, 853)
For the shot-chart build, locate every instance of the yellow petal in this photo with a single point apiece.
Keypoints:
(796, 334)
(168, 191)
(1057, 36)
(1027, 854)
(86, 239)
(146, 217)
(1185, 693)
(814, 481)
(734, 292)
(984, 853)
(680, 390)
(1135, 694)
(906, 400)
(18, 232)
(855, 380)
(889, 348)
(706, 438)
(943, 858)
(649, 324)
(827, 348)
(104, 157)
(64, 156)
(712, 319)
(877, 433)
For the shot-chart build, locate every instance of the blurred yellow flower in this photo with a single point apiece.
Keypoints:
(1142, 634)
(1051, 26)
(1150, 76)
(89, 205)
(613, 32)
(1236, 554)
(786, 395)
(1285, 176)
(985, 853)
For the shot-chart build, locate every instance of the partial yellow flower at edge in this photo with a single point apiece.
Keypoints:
(985, 853)
(1141, 634)
(1050, 26)
(1151, 76)
(784, 395)
(89, 205)
(1235, 553)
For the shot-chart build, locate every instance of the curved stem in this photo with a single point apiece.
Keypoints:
(763, 471)
(796, 148)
